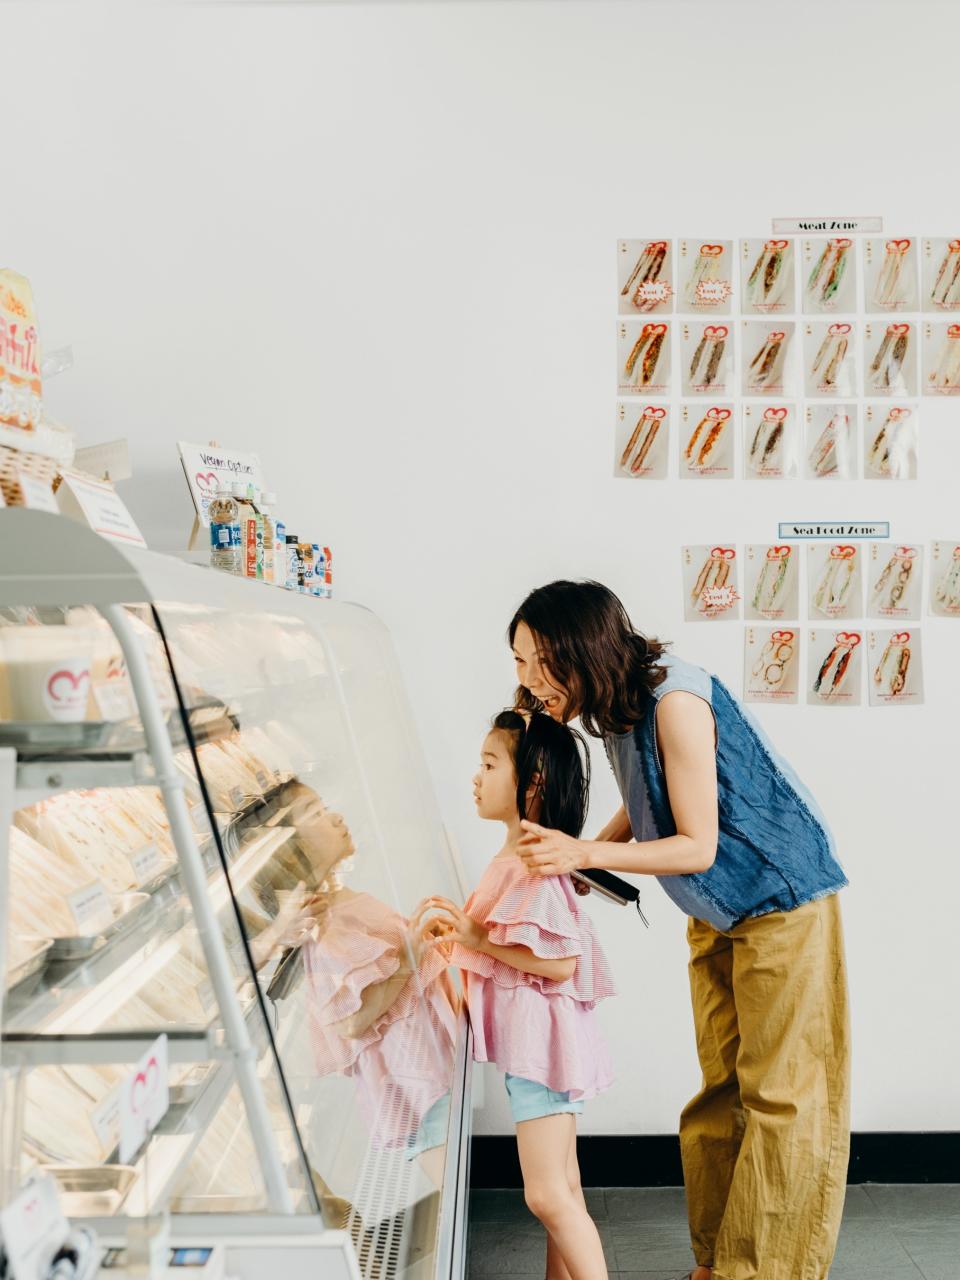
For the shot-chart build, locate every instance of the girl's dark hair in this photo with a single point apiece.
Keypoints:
(552, 763)
(589, 646)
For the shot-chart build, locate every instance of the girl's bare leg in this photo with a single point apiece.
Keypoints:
(544, 1147)
(556, 1267)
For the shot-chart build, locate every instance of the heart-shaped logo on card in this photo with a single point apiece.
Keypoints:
(718, 415)
(655, 329)
(954, 331)
(898, 246)
(651, 412)
(905, 553)
(900, 413)
(843, 552)
(64, 686)
(207, 481)
(953, 246)
(898, 329)
(775, 415)
(781, 637)
(902, 637)
(777, 335)
(723, 553)
(657, 244)
(711, 250)
(850, 638)
(777, 553)
(839, 330)
(715, 331)
(843, 244)
(777, 244)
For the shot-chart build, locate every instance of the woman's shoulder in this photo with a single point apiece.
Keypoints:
(683, 676)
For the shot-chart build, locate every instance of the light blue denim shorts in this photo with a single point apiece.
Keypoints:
(530, 1100)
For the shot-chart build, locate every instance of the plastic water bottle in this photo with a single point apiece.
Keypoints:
(225, 549)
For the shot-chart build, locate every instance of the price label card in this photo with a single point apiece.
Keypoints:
(90, 908)
(105, 1119)
(144, 1099)
(98, 505)
(37, 494)
(147, 863)
(33, 1227)
(114, 699)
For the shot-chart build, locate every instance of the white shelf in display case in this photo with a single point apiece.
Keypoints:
(269, 764)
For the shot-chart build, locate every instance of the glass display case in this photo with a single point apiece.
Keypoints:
(216, 827)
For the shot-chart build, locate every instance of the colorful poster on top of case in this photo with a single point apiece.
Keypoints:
(941, 359)
(834, 580)
(768, 358)
(771, 582)
(642, 441)
(891, 442)
(830, 451)
(710, 580)
(945, 579)
(890, 358)
(772, 441)
(643, 357)
(890, 278)
(767, 277)
(941, 275)
(644, 276)
(895, 581)
(895, 670)
(830, 275)
(707, 442)
(705, 274)
(830, 358)
(771, 665)
(834, 668)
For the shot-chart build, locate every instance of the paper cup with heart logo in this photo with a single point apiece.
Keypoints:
(46, 672)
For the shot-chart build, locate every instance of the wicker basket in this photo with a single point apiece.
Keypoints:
(48, 450)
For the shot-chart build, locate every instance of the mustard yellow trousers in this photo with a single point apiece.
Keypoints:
(765, 1142)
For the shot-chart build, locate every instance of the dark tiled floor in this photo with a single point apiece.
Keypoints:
(889, 1233)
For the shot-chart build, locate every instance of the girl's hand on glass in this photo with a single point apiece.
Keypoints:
(548, 853)
(451, 924)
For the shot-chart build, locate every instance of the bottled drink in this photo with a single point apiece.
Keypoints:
(305, 583)
(292, 580)
(278, 574)
(269, 535)
(225, 549)
(316, 583)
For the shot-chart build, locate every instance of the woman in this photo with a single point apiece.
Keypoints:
(739, 844)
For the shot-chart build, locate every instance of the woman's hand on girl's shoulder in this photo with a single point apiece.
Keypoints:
(546, 852)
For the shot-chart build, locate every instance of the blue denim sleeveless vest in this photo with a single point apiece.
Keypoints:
(775, 851)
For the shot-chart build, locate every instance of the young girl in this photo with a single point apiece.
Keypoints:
(533, 972)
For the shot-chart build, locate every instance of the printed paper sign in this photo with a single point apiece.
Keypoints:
(890, 275)
(643, 357)
(896, 672)
(830, 275)
(945, 579)
(706, 274)
(772, 582)
(90, 908)
(108, 461)
(831, 442)
(767, 357)
(890, 358)
(771, 442)
(891, 442)
(710, 583)
(941, 275)
(896, 573)
(771, 665)
(99, 505)
(32, 1227)
(834, 581)
(144, 1099)
(767, 276)
(147, 863)
(206, 468)
(823, 222)
(707, 442)
(642, 440)
(941, 359)
(644, 276)
(835, 670)
(830, 358)
(36, 494)
(706, 359)
(845, 529)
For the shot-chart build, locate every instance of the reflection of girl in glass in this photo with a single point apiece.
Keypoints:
(533, 972)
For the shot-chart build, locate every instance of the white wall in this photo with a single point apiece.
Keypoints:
(376, 243)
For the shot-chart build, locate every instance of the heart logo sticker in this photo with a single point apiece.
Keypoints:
(65, 691)
(902, 637)
(954, 331)
(850, 638)
(723, 553)
(783, 637)
(900, 413)
(843, 552)
(652, 412)
(208, 481)
(777, 244)
(898, 329)
(711, 250)
(719, 415)
(778, 553)
(778, 335)
(843, 244)
(906, 553)
(775, 415)
(657, 244)
(715, 331)
(898, 246)
(655, 329)
(838, 330)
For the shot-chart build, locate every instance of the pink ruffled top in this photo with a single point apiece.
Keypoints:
(402, 1063)
(530, 1026)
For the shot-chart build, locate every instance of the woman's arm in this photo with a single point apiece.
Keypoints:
(686, 735)
(617, 830)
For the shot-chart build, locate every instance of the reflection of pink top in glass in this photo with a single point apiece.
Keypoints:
(402, 1063)
(530, 1026)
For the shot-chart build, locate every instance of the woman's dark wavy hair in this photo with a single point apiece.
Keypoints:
(589, 646)
(553, 769)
